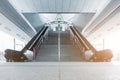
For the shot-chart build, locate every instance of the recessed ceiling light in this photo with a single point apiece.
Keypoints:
(8, 29)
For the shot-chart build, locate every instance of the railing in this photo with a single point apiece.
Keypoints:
(34, 40)
(84, 45)
(33, 44)
(36, 47)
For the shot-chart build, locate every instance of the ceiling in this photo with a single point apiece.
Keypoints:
(71, 10)
(63, 6)
(30, 15)
(7, 26)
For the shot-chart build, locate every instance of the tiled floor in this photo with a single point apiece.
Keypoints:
(59, 71)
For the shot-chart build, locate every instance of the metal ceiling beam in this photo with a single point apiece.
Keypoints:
(25, 19)
(102, 16)
(9, 11)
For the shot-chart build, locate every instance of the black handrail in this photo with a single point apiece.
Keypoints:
(19, 56)
(34, 40)
(83, 40)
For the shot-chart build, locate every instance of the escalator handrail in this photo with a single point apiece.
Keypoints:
(85, 42)
(34, 39)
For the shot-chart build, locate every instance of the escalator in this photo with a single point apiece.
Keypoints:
(58, 47)
(64, 46)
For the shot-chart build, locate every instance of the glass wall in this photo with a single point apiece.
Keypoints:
(112, 41)
(9, 42)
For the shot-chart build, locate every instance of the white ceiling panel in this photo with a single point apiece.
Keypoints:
(73, 5)
(88, 6)
(48, 17)
(66, 5)
(59, 5)
(52, 17)
(80, 5)
(93, 5)
(37, 5)
(45, 5)
(68, 17)
(52, 5)
(16, 4)
(30, 6)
